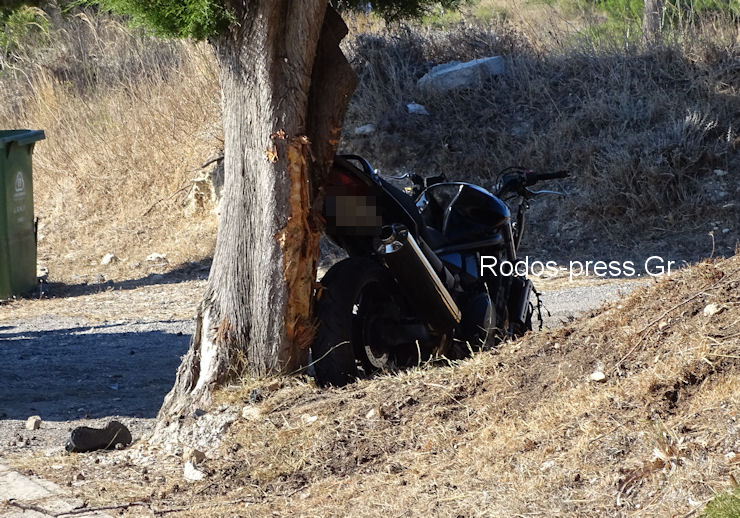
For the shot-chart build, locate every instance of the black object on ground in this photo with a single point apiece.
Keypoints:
(84, 438)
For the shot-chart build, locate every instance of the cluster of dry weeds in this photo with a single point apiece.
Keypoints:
(129, 120)
(642, 129)
(520, 431)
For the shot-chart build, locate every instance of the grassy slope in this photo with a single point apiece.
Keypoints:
(524, 430)
(521, 431)
(129, 121)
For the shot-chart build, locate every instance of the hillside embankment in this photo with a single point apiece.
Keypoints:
(649, 134)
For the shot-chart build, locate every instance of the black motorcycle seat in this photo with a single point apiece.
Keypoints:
(431, 236)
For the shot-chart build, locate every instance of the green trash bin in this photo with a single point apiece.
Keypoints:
(17, 227)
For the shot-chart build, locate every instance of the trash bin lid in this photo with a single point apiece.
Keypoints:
(21, 137)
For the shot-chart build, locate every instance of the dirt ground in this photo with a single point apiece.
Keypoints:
(91, 353)
(94, 352)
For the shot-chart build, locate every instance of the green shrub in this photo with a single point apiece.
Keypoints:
(724, 506)
(22, 27)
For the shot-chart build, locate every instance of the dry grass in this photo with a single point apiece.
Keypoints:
(641, 129)
(128, 121)
(521, 431)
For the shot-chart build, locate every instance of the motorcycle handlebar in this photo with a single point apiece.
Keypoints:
(532, 178)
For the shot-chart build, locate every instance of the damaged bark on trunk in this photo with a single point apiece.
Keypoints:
(285, 89)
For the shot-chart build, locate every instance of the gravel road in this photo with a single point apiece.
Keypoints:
(112, 352)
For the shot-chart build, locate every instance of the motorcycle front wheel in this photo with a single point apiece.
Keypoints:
(358, 297)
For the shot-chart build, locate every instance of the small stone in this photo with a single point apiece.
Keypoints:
(193, 456)
(725, 230)
(191, 473)
(416, 109)
(720, 172)
(251, 413)
(367, 129)
(157, 258)
(597, 376)
(108, 259)
(79, 476)
(308, 419)
(371, 414)
(662, 325)
(711, 309)
(548, 464)
(33, 423)
(273, 386)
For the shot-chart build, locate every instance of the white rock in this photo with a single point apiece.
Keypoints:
(711, 309)
(251, 413)
(42, 272)
(454, 74)
(548, 464)
(720, 172)
(308, 419)
(370, 414)
(33, 423)
(191, 473)
(597, 376)
(108, 259)
(725, 230)
(367, 129)
(157, 258)
(416, 109)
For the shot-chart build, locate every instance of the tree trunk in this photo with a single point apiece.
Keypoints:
(651, 21)
(255, 317)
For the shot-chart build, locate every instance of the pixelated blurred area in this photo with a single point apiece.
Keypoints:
(352, 214)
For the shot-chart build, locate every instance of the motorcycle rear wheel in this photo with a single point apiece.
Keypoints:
(358, 294)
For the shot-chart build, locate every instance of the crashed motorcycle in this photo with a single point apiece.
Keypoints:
(426, 274)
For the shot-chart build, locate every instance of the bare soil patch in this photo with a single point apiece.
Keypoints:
(91, 353)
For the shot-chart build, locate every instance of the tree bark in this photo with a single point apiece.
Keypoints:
(256, 315)
(651, 21)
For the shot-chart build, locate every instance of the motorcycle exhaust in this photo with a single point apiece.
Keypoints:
(521, 288)
(420, 279)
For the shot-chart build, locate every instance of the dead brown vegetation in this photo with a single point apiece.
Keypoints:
(642, 129)
(129, 120)
(521, 431)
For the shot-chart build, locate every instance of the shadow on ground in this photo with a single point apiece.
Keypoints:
(186, 272)
(72, 373)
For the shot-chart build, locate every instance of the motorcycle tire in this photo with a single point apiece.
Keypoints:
(353, 292)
